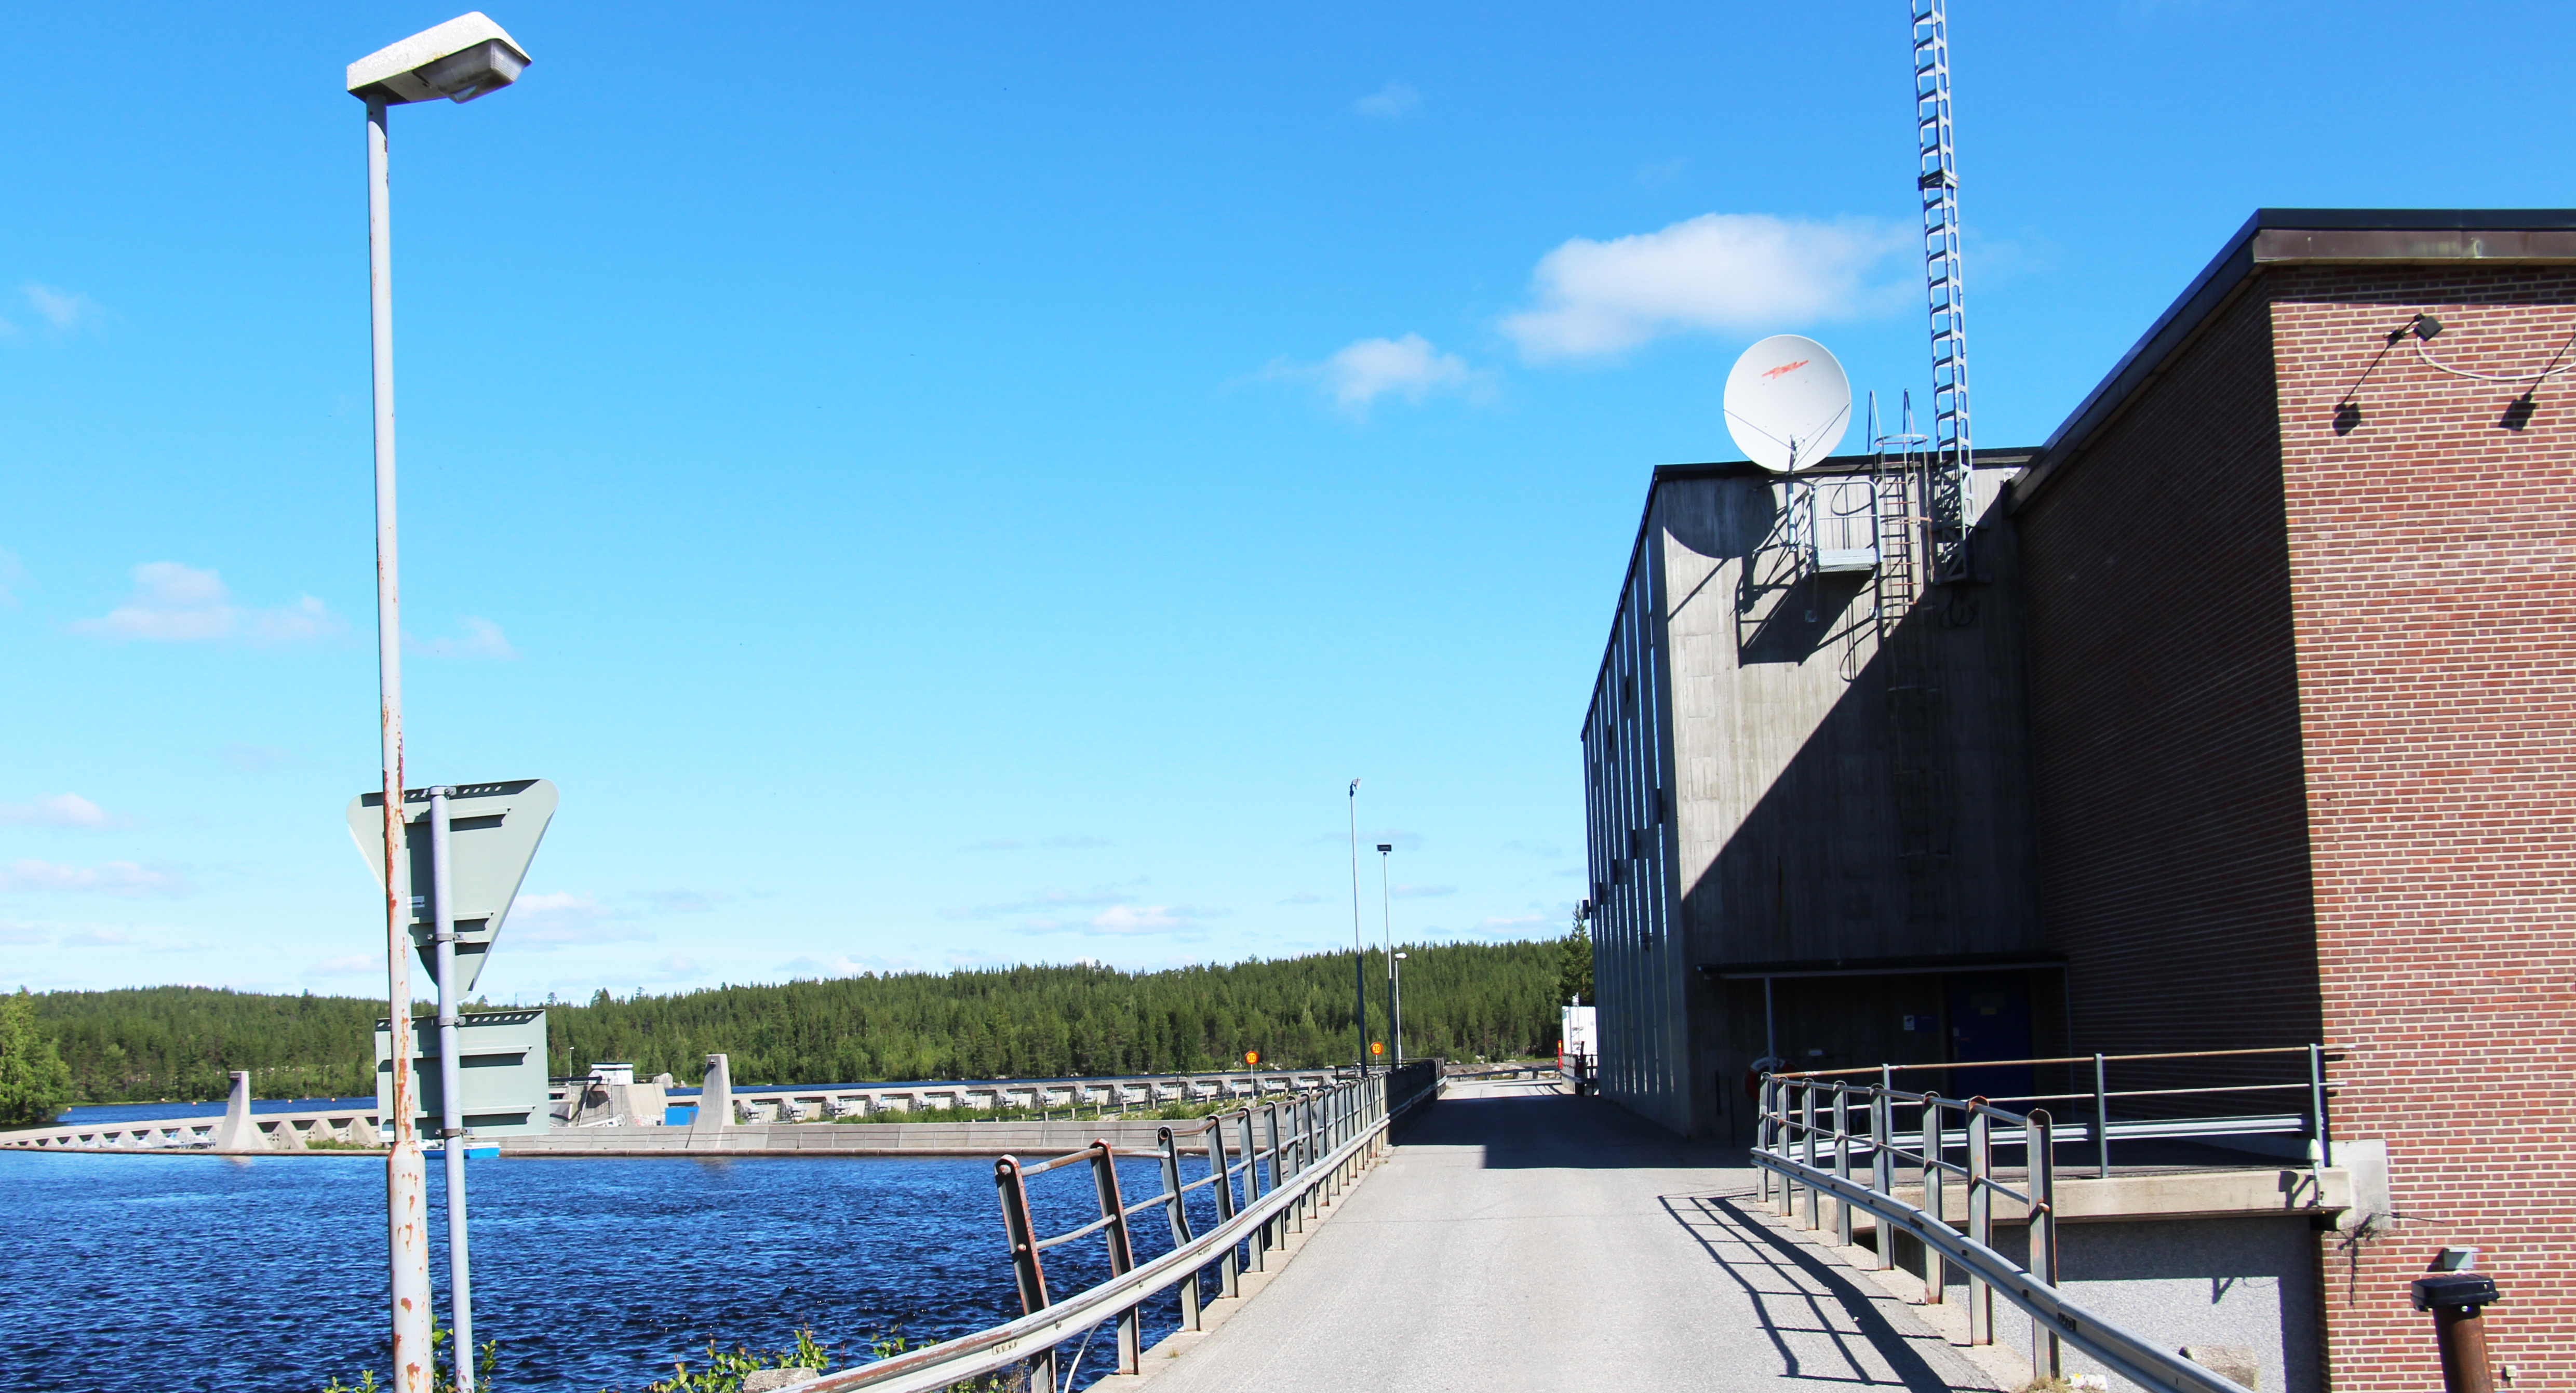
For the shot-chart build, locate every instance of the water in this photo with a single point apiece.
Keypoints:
(134, 1272)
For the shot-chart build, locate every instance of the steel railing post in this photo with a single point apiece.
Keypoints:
(1882, 1171)
(1122, 1254)
(2041, 1151)
(1807, 1134)
(2320, 1126)
(1842, 1162)
(1981, 1219)
(1761, 1131)
(1936, 1277)
(1229, 1267)
(1023, 1236)
(1253, 1242)
(1176, 1212)
(2101, 1116)
(1275, 1232)
(1784, 1199)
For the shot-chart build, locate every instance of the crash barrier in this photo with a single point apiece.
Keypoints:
(1316, 1143)
(1791, 1137)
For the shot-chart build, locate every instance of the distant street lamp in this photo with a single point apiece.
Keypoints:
(1386, 912)
(1399, 1006)
(1359, 948)
(460, 60)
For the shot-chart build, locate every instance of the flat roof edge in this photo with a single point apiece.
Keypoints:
(2302, 236)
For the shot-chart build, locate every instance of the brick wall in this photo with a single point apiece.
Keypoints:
(2166, 778)
(2432, 560)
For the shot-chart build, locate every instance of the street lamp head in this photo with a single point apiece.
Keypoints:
(1385, 847)
(1407, 956)
(460, 60)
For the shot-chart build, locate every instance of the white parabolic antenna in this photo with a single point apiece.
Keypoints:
(1787, 402)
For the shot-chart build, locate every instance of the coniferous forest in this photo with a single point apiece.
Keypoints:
(1461, 1000)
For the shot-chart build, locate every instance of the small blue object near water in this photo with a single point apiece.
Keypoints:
(679, 1114)
(477, 1153)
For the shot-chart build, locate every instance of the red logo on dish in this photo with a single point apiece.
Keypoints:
(1785, 367)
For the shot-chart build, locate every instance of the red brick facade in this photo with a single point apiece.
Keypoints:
(2433, 591)
(2303, 705)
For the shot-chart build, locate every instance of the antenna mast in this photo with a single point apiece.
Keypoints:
(1938, 179)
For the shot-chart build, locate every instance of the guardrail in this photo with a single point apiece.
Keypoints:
(1790, 1136)
(1317, 1142)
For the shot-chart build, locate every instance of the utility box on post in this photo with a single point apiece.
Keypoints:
(501, 1070)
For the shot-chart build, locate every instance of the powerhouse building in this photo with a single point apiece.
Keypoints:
(2251, 728)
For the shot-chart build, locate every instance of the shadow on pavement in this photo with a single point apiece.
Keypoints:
(1822, 1326)
(1543, 1130)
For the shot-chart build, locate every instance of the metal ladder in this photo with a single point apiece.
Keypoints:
(1916, 709)
(1937, 178)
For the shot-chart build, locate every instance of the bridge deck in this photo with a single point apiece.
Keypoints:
(1522, 1239)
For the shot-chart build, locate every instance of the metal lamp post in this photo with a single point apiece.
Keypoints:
(1386, 921)
(460, 60)
(1399, 1007)
(1359, 949)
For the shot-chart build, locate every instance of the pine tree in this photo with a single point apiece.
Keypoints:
(34, 1081)
(1574, 974)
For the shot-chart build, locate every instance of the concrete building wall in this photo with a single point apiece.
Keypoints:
(2432, 549)
(1636, 962)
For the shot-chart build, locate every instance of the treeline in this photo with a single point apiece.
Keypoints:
(1460, 1000)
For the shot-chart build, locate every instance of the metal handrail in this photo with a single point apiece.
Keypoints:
(1358, 1112)
(2332, 1050)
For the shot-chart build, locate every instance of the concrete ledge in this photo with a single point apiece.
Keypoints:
(2165, 1195)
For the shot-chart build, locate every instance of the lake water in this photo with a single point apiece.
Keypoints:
(144, 1272)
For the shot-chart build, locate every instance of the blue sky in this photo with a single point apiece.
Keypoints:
(972, 486)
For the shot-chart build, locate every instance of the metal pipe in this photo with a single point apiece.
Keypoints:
(406, 1177)
(1842, 1162)
(451, 1091)
(1122, 1254)
(1386, 921)
(2317, 1116)
(1807, 1133)
(1228, 1269)
(2102, 1116)
(1882, 1169)
(1022, 1232)
(2040, 1150)
(1981, 1221)
(1936, 1278)
(1176, 1212)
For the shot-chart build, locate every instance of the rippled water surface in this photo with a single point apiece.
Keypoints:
(152, 1272)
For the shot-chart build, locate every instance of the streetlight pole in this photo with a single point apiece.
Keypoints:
(1399, 1007)
(1386, 920)
(1359, 948)
(462, 59)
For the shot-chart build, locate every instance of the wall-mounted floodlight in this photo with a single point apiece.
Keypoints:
(460, 60)
(2422, 326)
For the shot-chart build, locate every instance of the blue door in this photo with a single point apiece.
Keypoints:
(1990, 1019)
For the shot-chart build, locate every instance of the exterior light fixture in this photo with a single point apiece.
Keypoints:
(467, 57)
(2422, 326)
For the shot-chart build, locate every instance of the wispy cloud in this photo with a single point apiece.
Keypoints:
(354, 965)
(1303, 897)
(1043, 902)
(174, 603)
(1389, 103)
(481, 639)
(685, 901)
(1422, 892)
(123, 879)
(17, 935)
(1657, 172)
(100, 938)
(562, 919)
(844, 965)
(57, 810)
(62, 310)
(1514, 926)
(1128, 920)
(1530, 847)
(1719, 272)
(1364, 371)
(257, 759)
(1068, 842)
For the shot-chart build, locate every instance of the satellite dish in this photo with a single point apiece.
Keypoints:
(1787, 403)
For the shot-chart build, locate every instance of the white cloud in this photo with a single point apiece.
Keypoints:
(1718, 272)
(1389, 102)
(1127, 920)
(59, 810)
(123, 879)
(1408, 367)
(843, 966)
(685, 901)
(1422, 892)
(99, 938)
(482, 639)
(1303, 897)
(1042, 900)
(174, 603)
(561, 918)
(65, 310)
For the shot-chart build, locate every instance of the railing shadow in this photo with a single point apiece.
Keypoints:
(1794, 1292)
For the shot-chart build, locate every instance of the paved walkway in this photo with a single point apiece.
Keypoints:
(1522, 1239)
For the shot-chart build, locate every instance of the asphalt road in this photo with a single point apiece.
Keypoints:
(1521, 1239)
